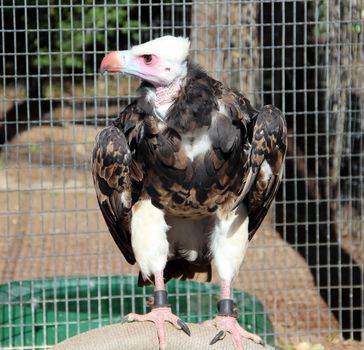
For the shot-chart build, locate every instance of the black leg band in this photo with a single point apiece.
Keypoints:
(225, 307)
(160, 298)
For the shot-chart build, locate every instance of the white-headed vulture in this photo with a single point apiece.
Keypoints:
(185, 175)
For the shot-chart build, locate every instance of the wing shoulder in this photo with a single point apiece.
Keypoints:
(238, 107)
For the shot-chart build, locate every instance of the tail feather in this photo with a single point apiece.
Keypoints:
(181, 269)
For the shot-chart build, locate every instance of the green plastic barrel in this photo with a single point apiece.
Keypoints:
(38, 313)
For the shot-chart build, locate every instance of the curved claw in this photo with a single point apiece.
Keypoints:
(229, 324)
(254, 337)
(183, 326)
(220, 335)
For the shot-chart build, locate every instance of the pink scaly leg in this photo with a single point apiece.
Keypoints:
(226, 322)
(160, 313)
(225, 290)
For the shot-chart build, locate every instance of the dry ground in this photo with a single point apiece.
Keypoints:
(51, 226)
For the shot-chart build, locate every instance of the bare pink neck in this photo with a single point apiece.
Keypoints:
(167, 94)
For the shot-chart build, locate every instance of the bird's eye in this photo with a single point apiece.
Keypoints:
(148, 59)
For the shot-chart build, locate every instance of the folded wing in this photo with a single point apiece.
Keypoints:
(113, 173)
(268, 151)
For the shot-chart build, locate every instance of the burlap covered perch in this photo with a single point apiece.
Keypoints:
(142, 335)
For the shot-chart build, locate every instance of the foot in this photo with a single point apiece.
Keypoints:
(229, 324)
(158, 316)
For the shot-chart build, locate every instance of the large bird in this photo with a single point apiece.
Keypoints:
(185, 175)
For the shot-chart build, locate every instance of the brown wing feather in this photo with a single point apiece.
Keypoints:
(113, 171)
(269, 143)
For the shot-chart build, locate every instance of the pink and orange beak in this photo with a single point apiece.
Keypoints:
(128, 63)
(115, 61)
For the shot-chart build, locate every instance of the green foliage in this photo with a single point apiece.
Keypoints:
(357, 28)
(64, 35)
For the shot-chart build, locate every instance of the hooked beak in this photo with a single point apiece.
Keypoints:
(114, 61)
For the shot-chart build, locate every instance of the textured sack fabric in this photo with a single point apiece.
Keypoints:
(143, 336)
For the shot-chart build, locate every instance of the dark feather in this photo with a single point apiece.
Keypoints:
(269, 144)
(181, 269)
(111, 164)
(135, 159)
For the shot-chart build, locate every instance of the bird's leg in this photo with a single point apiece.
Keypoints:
(226, 320)
(160, 312)
(150, 246)
(229, 243)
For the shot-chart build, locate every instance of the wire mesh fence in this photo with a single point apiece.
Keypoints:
(305, 264)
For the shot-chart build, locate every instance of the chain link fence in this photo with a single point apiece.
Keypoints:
(306, 262)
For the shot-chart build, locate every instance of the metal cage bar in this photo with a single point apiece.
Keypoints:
(306, 262)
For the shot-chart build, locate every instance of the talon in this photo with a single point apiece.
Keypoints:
(129, 318)
(229, 324)
(183, 326)
(220, 335)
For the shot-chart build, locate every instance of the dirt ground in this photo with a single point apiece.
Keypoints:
(51, 226)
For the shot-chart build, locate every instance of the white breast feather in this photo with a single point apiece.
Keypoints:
(196, 143)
